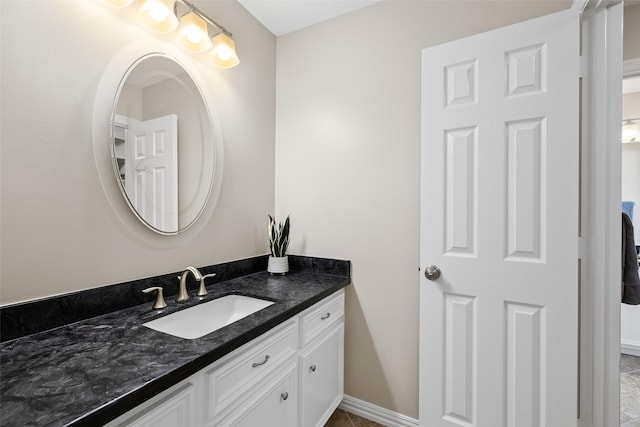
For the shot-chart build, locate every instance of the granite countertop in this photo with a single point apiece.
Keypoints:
(91, 371)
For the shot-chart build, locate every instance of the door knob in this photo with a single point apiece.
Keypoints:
(432, 272)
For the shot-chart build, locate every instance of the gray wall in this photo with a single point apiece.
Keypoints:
(631, 46)
(58, 232)
(348, 168)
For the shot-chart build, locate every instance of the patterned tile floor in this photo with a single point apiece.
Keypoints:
(342, 418)
(629, 391)
(629, 399)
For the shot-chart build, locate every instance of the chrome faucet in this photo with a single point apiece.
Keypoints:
(183, 296)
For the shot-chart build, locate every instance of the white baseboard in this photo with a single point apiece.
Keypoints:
(630, 347)
(376, 413)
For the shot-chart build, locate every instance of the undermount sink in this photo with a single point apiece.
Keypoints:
(202, 319)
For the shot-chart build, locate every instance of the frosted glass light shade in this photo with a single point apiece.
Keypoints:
(193, 34)
(224, 53)
(158, 15)
(630, 132)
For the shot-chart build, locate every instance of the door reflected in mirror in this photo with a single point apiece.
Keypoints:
(162, 147)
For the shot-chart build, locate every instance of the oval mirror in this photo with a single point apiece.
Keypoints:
(162, 144)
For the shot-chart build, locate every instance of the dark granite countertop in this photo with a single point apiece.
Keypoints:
(91, 371)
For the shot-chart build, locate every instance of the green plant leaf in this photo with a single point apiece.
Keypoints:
(278, 236)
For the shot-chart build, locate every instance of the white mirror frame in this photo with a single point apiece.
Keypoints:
(102, 134)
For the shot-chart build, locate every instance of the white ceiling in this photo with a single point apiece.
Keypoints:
(284, 16)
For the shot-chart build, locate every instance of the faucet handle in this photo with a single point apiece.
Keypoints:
(203, 291)
(160, 302)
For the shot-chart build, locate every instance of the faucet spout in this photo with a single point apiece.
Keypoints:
(183, 296)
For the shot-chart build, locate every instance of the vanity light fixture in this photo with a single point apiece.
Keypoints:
(193, 32)
(158, 15)
(630, 132)
(223, 53)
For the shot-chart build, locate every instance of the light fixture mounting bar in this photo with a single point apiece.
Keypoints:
(193, 8)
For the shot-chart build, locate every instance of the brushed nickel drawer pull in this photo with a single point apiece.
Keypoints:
(326, 316)
(266, 359)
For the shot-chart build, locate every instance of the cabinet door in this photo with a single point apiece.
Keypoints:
(174, 410)
(231, 382)
(274, 406)
(321, 378)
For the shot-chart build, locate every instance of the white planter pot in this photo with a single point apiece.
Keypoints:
(278, 265)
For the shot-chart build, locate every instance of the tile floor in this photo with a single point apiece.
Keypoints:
(629, 399)
(342, 418)
(629, 391)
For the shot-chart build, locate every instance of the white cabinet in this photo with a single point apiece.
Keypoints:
(318, 318)
(231, 379)
(321, 361)
(290, 376)
(276, 405)
(321, 378)
(172, 408)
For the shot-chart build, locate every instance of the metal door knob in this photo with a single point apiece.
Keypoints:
(432, 272)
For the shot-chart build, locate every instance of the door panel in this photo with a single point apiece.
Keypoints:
(151, 170)
(499, 210)
(461, 192)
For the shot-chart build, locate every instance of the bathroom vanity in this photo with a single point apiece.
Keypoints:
(290, 376)
(280, 366)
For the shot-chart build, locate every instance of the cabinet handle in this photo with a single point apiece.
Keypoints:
(284, 396)
(312, 368)
(326, 316)
(255, 365)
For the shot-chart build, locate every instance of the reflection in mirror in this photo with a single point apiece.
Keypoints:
(631, 110)
(161, 145)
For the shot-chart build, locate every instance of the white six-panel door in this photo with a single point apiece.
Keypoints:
(499, 217)
(151, 170)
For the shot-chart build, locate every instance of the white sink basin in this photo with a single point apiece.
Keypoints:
(202, 319)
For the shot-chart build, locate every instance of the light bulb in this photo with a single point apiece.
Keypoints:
(193, 34)
(158, 15)
(224, 53)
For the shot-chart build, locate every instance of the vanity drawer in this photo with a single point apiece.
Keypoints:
(232, 380)
(171, 410)
(275, 405)
(318, 319)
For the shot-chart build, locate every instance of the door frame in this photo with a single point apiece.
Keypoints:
(630, 69)
(601, 115)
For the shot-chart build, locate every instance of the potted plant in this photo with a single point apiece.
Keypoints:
(278, 243)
